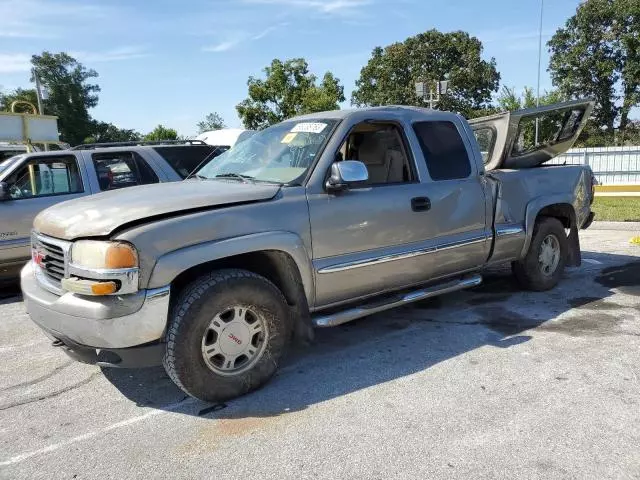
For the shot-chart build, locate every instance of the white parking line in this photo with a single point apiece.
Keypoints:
(23, 345)
(95, 433)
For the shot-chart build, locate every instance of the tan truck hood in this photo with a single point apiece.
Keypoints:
(101, 214)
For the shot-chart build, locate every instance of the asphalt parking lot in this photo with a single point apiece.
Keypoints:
(489, 383)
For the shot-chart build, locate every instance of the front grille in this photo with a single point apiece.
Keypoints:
(52, 257)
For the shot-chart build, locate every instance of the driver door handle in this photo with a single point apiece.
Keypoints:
(420, 204)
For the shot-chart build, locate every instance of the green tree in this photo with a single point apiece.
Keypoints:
(162, 133)
(70, 93)
(288, 90)
(597, 54)
(390, 75)
(102, 132)
(22, 94)
(213, 121)
(509, 100)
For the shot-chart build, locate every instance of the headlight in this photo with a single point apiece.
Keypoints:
(103, 255)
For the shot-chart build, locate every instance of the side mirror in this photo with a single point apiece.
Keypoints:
(4, 192)
(347, 173)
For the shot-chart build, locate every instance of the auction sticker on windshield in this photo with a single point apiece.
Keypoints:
(309, 127)
(288, 138)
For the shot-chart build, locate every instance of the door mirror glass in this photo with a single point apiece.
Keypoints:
(4, 192)
(347, 173)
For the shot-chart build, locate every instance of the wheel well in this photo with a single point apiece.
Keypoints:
(562, 211)
(276, 266)
(567, 215)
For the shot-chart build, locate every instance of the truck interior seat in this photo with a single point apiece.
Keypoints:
(384, 164)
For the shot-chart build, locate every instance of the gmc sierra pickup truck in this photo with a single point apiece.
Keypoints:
(312, 222)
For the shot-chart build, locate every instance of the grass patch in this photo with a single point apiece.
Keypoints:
(617, 209)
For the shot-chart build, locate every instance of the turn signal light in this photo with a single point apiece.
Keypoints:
(88, 287)
(103, 288)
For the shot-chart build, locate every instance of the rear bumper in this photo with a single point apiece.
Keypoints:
(113, 322)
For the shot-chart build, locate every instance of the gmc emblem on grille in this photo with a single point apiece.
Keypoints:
(38, 258)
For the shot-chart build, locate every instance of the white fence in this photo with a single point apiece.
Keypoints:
(611, 165)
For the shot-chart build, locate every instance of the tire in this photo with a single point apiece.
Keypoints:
(531, 272)
(222, 315)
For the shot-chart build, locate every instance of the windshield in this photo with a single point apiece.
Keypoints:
(279, 154)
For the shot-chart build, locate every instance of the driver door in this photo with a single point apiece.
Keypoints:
(360, 237)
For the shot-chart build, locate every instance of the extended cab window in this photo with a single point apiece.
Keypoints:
(46, 176)
(184, 159)
(381, 148)
(122, 169)
(443, 150)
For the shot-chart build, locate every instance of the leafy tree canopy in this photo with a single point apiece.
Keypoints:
(70, 93)
(390, 75)
(287, 90)
(102, 132)
(161, 133)
(597, 54)
(213, 121)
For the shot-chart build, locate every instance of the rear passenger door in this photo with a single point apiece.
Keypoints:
(120, 169)
(456, 190)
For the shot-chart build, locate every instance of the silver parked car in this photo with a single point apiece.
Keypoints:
(312, 222)
(32, 182)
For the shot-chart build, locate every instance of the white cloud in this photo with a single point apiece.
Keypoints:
(14, 62)
(116, 54)
(269, 30)
(322, 6)
(242, 37)
(222, 46)
(38, 18)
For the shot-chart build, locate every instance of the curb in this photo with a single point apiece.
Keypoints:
(619, 226)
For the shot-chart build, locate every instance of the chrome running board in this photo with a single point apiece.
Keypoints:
(345, 316)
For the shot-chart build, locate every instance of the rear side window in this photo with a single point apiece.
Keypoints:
(122, 169)
(185, 159)
(443, 150)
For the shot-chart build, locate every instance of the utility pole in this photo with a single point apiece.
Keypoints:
(38, 91)
(39, 97)
(539, 65)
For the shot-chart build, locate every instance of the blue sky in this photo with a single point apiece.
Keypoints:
(171, 62)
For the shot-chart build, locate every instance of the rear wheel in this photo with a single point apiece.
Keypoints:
(542, 267)
(227, 334)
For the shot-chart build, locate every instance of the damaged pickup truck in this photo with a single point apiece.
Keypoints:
(312, 222)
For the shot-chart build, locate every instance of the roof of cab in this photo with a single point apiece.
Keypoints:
(397, 109)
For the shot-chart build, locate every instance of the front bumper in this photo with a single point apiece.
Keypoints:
(110, 322)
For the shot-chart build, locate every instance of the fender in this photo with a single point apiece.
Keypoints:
(533, 209)
(170, 265)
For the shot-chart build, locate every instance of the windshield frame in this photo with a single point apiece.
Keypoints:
(303, 178)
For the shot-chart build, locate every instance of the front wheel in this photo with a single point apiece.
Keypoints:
(228, 332)
(542, 267)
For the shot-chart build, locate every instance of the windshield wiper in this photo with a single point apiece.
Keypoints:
(243, 178)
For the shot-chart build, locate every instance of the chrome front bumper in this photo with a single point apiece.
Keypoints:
(97, 322)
